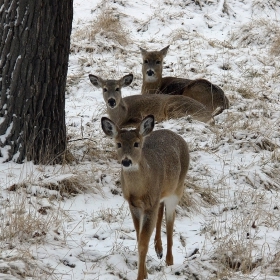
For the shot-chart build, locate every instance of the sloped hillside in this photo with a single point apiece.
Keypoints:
(71, 221)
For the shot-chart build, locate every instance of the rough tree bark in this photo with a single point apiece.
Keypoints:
(34, 52)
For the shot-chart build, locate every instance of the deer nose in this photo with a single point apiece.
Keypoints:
(126, 162)
(150, 72)
(112, 102)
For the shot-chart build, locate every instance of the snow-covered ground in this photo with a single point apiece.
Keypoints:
(228, 225)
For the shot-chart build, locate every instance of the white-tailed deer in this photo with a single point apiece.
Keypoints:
(132, 109)
(210, 95)
(154, 167)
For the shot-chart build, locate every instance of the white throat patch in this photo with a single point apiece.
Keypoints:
(150, 79)
(133, 167)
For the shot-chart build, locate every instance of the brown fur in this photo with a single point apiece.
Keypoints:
(201, 90)
(154, 166)
(130, 110)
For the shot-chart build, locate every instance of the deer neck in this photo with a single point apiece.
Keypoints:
(151, 87)
(133, 179)
(118, 114)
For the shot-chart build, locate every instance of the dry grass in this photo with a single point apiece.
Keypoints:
(108, 24)
(89, 149)
(22, 266)
(275, 46)
(32, 217)
(264, 6)
(237, 255)
(65, 188)
(25, 221)
(236, 234)
(107, 32)
(249, 33)
(246, 92)
(73, 80)
(195, 198)
(220, 44)
(275, 263)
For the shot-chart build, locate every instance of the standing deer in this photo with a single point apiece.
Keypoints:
(130, 110)
(154, 167)
(210, 95)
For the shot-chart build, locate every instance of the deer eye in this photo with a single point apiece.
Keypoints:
(119, 145)
(136, 144)
(117, 89)
(146, 61)
(158, 62)
(105, 89)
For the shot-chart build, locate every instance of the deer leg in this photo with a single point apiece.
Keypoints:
(147, 227)
(157, 242)
(136, 215)
(170, 205)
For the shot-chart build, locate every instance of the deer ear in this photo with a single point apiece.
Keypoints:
(127, 80)
(164, 51)
(143, 52)
(95, 80)
(109, 127)
(147, 125)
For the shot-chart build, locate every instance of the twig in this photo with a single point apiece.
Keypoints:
(81, 139)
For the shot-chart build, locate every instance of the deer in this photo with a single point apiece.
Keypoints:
(154, 165)
(130, 110)
(201, 90)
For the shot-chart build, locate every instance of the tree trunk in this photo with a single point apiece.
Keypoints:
(34, 52)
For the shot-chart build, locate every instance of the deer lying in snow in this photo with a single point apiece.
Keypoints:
(130, 110)
(201, 90)
(152, 179)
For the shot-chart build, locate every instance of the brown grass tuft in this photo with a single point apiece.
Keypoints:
(25, 222)
(246, 92)
(195, 197)
(107, 32)
(276, 264)
(275, 48)
(70, 186)
(236, 255)
(248, 34)
(108, 24)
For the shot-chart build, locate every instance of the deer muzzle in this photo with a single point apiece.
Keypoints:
(126, 162)
(112, 102)
(150, 72)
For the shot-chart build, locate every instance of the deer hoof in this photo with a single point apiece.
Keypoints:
(159, 254)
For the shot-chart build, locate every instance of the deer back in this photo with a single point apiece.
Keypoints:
(200, 90)
(163, 107)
